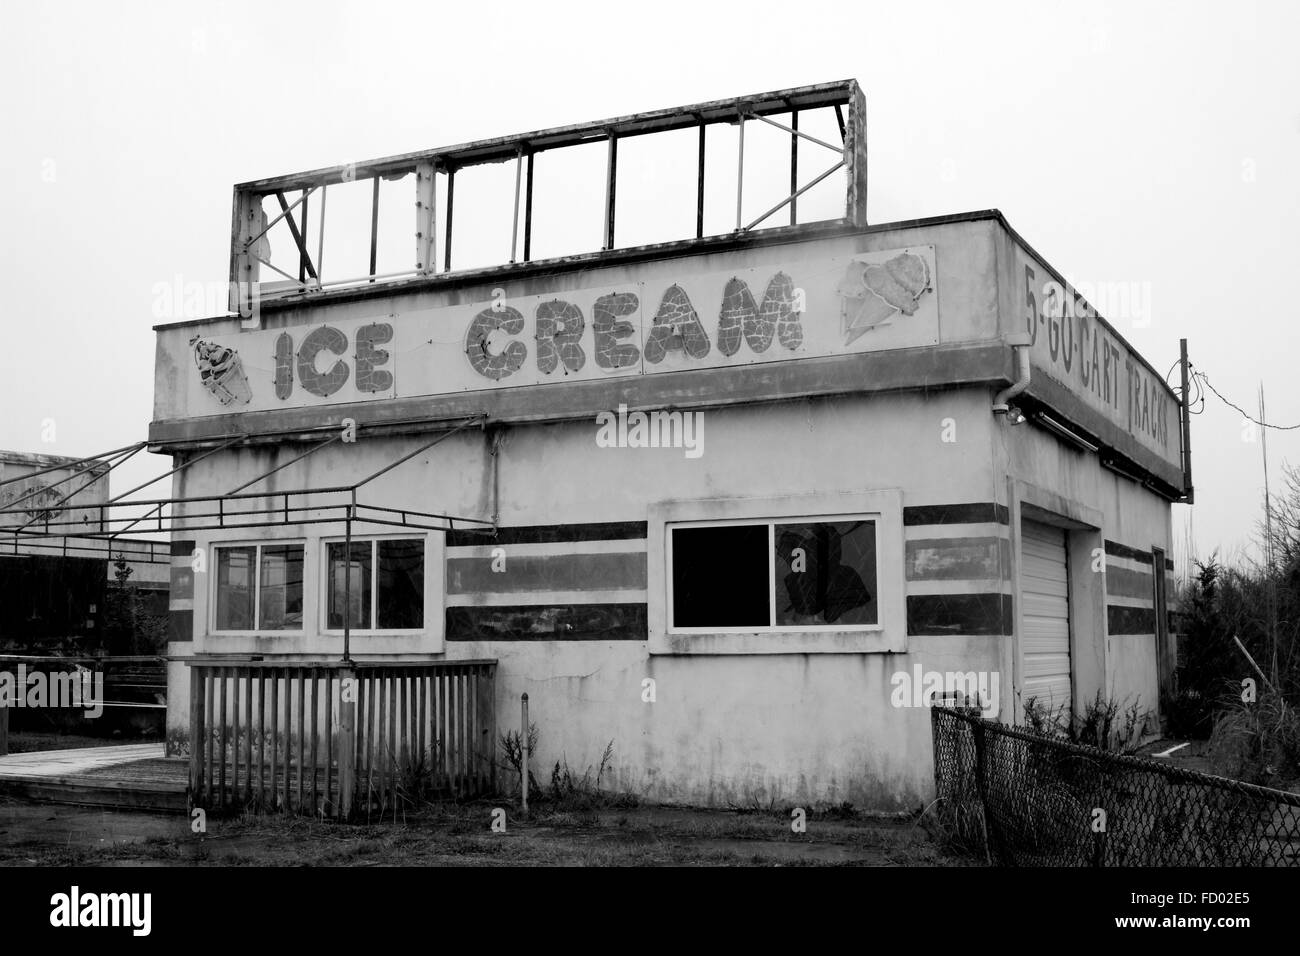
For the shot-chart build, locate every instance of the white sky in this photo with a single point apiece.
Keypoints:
(1156, 143)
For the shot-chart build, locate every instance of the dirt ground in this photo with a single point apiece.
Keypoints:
(43, 835)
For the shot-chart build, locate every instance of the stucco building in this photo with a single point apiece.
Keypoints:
(727, 502)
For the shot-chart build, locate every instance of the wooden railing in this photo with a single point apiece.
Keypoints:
(114, 690)
(337, 739)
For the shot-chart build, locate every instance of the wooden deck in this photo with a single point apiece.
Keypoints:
(131, 776)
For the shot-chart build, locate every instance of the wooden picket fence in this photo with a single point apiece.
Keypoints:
(339, 740)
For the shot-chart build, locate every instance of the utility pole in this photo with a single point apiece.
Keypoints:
(1268, 539)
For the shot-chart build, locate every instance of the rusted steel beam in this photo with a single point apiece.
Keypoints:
(528, 211)
(374, 227)
(504, 148)
(451, 195)
(611, 180)
(794, 167)
(699, 188)
(297, 236)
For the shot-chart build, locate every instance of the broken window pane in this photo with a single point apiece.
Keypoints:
(826, 573)
(720, 576)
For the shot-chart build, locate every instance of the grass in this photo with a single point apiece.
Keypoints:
(458, 835)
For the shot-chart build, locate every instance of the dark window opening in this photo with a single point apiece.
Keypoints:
(720, 576)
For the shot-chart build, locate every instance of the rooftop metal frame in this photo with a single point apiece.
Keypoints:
(298, 506)
(250, 224)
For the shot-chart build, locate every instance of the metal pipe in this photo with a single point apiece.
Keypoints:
(347, 582)
(740, 172)
(795, 131)
(49, 468)
(302, 252)
(423, 448)
(269, 225)
(193, 461)
(1001, 401)
(794, 167)
(451, 195)
(282, 272)
(311, 451)
(374, 228)
(528, 211)
(1188, 491)
(320, 244)
(39, 489)
(514, 229)
(699, 188)
(611, 177)
(523, 748)
(793, 197)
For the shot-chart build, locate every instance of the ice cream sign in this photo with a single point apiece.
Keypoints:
(693, 320)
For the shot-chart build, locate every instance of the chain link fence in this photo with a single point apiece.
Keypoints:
(1023, 798)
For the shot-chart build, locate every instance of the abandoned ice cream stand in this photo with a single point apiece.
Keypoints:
(727, 502)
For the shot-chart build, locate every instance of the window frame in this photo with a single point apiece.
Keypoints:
(216, 547)
(773, 628)
(887, 635)
(370, 631)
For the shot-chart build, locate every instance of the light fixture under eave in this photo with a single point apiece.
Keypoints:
(1015, 416)
(1061, 431)
(1111, 465)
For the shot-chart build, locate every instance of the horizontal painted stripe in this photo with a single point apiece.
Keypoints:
(552, 622)
(1130, 620)
(182, 547)
(959, 614)
(978, 529)
(1120, 600)
(968, 513)
(539, 598)
(939, 559)
(1126, 583)
(180, 626)
(554, 572)
(547, 548)
(1124, 551)
(960, 586)
(534, 534)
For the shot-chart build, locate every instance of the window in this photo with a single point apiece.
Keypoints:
(259, 587)
(774, 575)
(384, 580)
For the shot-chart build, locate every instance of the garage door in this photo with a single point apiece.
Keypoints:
(1045, 616)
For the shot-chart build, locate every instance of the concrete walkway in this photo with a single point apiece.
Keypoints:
(66, 763)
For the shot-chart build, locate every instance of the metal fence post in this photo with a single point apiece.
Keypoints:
(523, 749)
(4, 724)
(981, 761)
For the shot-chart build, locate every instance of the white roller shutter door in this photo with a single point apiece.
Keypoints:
(1045, 616)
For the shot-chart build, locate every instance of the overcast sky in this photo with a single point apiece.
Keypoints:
(1149, 143)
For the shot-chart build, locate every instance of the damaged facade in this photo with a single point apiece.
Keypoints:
(728, 489)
